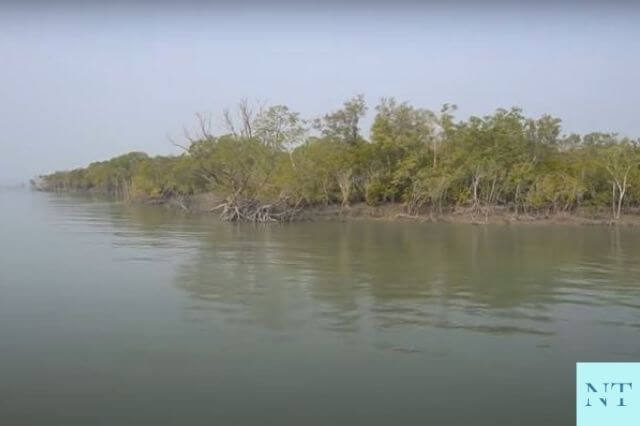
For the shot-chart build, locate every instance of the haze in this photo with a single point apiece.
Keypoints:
(85, 84)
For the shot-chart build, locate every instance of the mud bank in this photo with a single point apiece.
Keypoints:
(206, 204)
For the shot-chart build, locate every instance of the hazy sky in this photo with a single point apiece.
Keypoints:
(79, 84)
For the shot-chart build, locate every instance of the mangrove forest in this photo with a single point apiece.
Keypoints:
(269, 163)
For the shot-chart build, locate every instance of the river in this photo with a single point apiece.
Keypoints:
(113, 314)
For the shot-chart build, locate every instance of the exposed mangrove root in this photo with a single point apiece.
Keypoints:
(256, 212)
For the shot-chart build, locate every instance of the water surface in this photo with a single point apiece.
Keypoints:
(121, 315)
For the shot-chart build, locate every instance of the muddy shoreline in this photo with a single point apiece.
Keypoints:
(205, 203)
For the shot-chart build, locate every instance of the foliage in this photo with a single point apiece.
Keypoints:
(344, 125)
(429, 161)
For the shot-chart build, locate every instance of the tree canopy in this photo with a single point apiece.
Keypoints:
(426, 160)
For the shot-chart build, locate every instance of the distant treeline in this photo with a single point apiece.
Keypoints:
(270, 162)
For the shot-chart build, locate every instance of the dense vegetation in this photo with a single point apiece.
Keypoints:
(270, 163)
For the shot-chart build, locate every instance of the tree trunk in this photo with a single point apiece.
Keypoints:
(475, 184)
(435, 154)
(613, 200)
(345, 184)
(621, 191)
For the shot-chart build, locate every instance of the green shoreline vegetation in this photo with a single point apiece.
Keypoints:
(271, 165)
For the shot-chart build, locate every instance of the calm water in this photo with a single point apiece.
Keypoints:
(120, 315)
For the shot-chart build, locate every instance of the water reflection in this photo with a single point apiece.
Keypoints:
(345, 277)
(370, 319)
(350, 277)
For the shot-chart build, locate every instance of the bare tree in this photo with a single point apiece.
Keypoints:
(241, 121)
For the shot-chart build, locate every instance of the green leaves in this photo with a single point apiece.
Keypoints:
(343, 125)
(426, 160)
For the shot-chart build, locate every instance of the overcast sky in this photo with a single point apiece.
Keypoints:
(79, 84)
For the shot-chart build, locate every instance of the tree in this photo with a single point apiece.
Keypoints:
(266, 165)
(240, 123)
(401, 135)
(344, 125)
(621, 162)
(326, 172)
(279, 128)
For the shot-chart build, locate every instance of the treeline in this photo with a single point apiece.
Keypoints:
(270, 163)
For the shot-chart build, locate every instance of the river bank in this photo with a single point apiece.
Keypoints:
(206, 203)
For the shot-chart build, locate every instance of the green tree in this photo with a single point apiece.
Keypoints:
(344, 124)
(621, 161)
